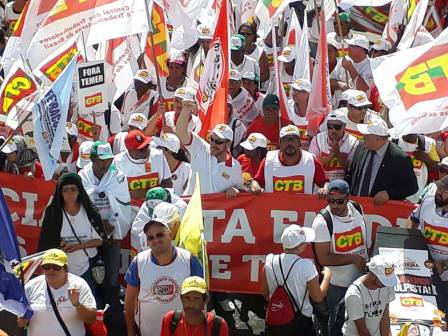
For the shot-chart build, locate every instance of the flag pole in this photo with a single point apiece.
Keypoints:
(317, 14)
(338, 21)
(151, 31)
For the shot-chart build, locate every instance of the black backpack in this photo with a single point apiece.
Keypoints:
(178, 315)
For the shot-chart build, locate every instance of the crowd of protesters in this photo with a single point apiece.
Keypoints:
(130, 179)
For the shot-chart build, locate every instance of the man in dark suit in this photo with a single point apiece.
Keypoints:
(380, 169)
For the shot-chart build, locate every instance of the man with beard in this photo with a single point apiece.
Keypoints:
(334, 225)
(431, 217)
(191, 320)
(290, 169)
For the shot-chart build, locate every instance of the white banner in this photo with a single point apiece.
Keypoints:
(413, 84)
(98, 20)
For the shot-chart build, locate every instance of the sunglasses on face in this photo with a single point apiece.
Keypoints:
(218, 141)
(158, 235)
(70, 189)
(51, 267)
(338, 201)
(333, 126)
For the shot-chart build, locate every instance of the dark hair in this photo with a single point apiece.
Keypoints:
(249, 26)
(181, 155)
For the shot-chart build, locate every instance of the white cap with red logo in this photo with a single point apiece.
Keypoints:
(254, 140)
(383, 270)
(138, 120)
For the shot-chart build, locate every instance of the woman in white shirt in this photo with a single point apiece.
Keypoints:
(72, 223)
(58, 292)
(177, 161)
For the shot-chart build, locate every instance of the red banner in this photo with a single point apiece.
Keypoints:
(240, 231)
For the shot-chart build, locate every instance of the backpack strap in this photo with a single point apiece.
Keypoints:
(357, 206)
(327, 216)
(175, 320)
(296, 306)
(216, 329)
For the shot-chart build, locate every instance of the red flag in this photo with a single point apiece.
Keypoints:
(214, 83)
(320, 96)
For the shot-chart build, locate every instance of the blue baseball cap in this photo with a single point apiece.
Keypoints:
(338, 187)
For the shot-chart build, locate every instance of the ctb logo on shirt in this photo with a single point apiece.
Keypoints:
(436, 235)
(349, 240)
(293, 184)
(143, 182)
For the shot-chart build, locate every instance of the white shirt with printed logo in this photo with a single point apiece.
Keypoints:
(320, 146)
(349, 237)
(78, 262)
(368, 304)
(214, 176)
(143, 174)
(44, 321)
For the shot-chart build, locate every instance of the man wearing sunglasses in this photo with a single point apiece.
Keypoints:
(154, 279)
(334, 147)
(145, 168)
(290, 169)
(431, 217)
(341, 243)
(217, 169)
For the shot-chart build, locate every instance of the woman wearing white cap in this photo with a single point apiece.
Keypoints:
(297, 274)
(21, 160)
(177, 161)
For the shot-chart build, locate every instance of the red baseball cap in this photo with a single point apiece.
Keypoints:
(136, 140)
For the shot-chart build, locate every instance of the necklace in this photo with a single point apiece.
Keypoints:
(373, 302)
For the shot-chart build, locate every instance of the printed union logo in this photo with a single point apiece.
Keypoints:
(165, 289)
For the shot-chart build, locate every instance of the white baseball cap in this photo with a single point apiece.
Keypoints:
(302, 84)
(294, 235)
(359, 40)
(179, 93)
(337, 115)
(357, 98)
(331, 40)
(235, 75)
(223, 131)
(205, 32)
(84, 154)
(138, 120)
(288, 54)
(383, 270)
(375, 126)
(289, 130)
(381, 45)
(10, 147)
(169, 141)
(71, 128)
(143, 76)
(254, 140)
(444, 162)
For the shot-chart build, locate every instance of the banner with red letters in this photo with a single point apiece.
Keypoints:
(240, 232)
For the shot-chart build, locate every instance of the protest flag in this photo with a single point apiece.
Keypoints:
(49, 117)
(12, 294)
(268, 11)
(302, 67)
(192, 225)
(213, 86)
(320, 96)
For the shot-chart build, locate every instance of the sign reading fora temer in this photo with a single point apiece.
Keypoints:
(92, 91)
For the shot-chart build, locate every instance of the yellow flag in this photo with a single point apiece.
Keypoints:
(404, 329)
(192, 224)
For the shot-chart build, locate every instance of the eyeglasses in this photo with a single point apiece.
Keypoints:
(246, 33)
(51, 267)
(358, 108)
(338, 201)
(69, 189)
(333, 126)
(218, 141)
(158, 235)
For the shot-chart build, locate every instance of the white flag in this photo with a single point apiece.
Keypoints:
(413, 84)
(302, 67)
(413, 25)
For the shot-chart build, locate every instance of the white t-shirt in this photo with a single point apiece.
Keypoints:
(349, 237)
(194, 125)
(143, 174)
(248, 64)
(78, 262)
(320, 146)
(215, 176)
(303, 271)
(44, 321)
(365, 303)
(180, 177)
(364, 71)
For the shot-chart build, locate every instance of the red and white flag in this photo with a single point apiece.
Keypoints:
(97, 20)
(121, 65)
(276, 87)
(319, 103)
(214, 82)
(397, 14)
